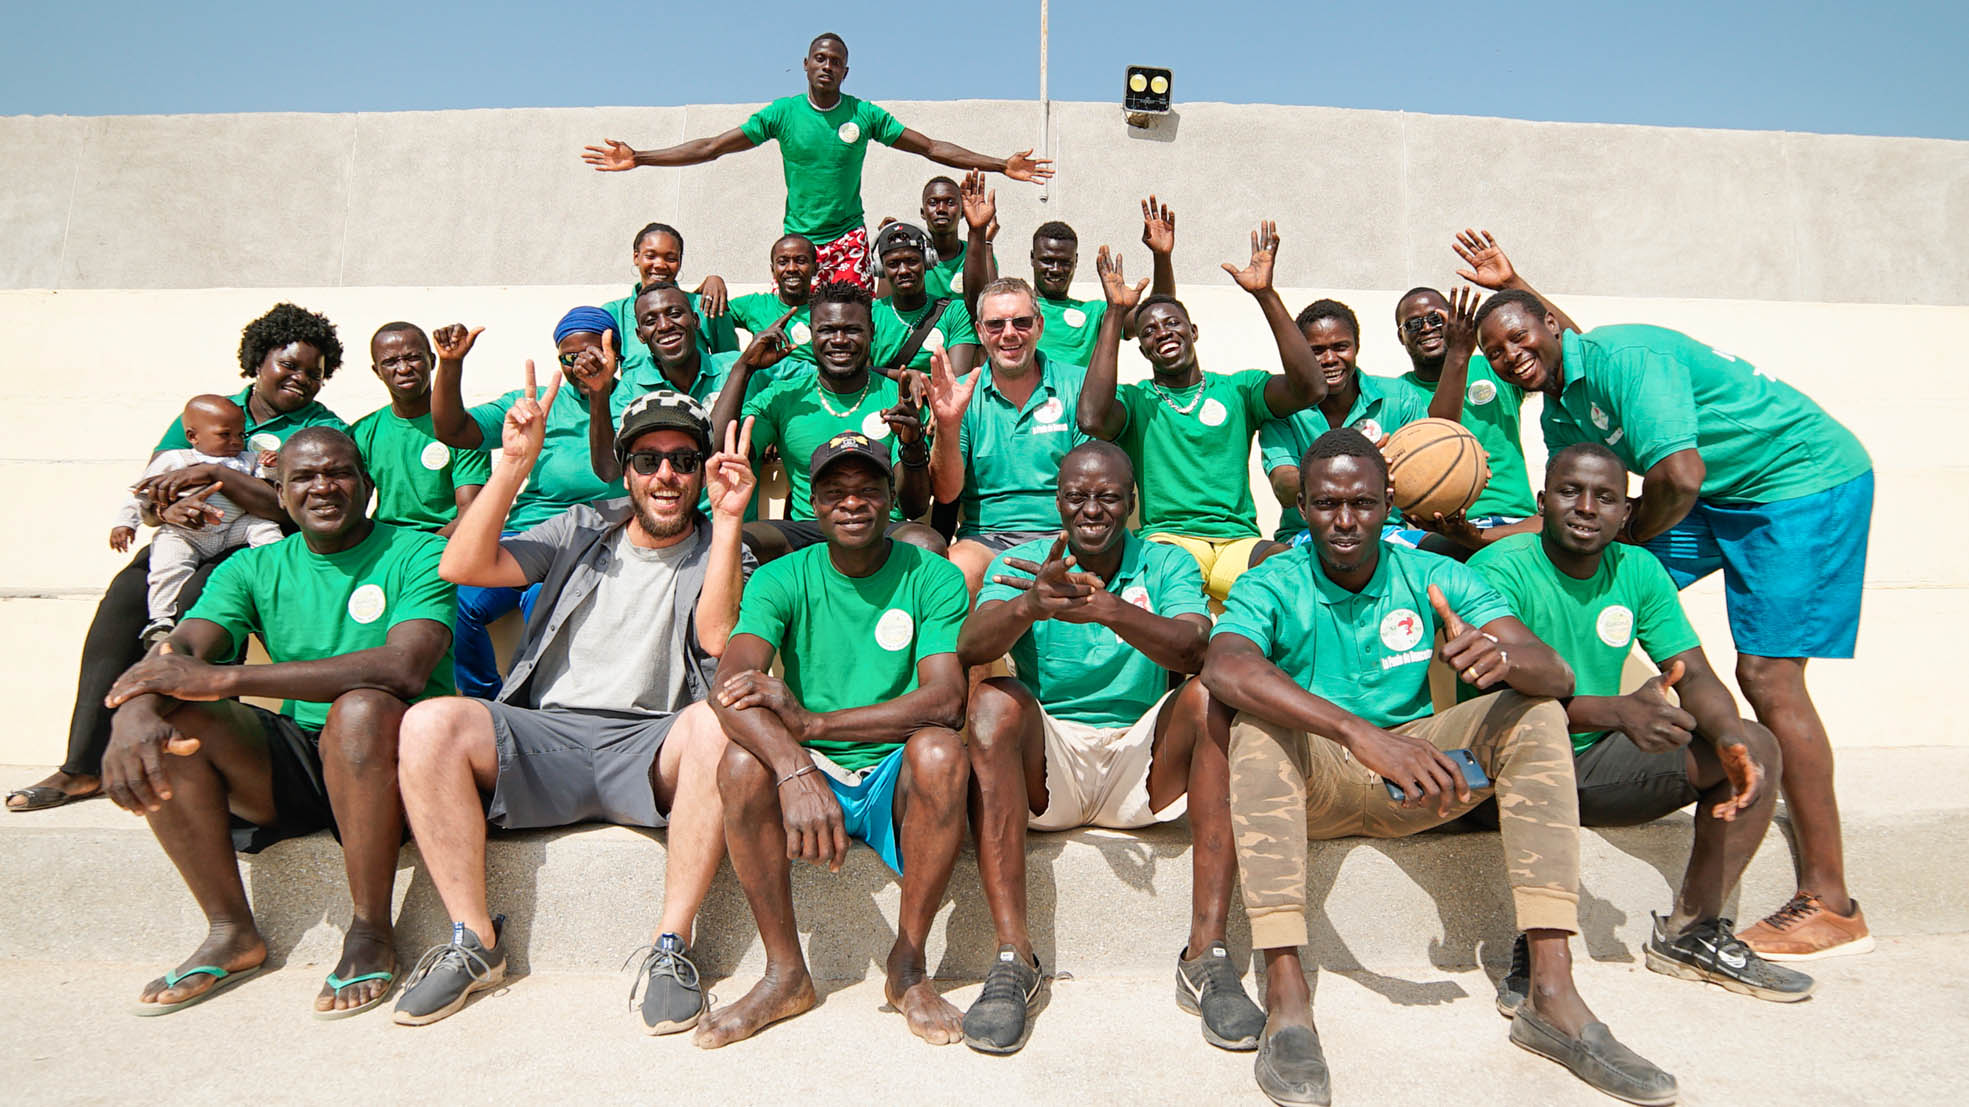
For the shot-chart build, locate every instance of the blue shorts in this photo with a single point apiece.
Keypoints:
(1793, 569)
(868, 803)
(1411, 537)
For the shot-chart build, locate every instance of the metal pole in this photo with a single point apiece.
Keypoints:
(1045, 101)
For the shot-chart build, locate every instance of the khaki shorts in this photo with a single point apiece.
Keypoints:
(1099, 776)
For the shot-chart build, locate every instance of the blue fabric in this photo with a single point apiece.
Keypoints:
(586, 320)
(1793, 570)
(1412, 537)
(474, 664)
(868, 808)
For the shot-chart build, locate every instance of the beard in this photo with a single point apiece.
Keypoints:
(657, 527)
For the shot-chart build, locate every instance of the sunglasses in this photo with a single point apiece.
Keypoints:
(1420, 323)
(1020, 323)
(682, 462)
(568, 360)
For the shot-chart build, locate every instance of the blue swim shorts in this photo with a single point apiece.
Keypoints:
(868, 803)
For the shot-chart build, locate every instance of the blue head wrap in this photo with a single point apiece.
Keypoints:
(586, 320)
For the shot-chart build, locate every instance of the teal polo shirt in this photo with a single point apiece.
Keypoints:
(1493, 410)
(715, 336)
(268, 435)
(1012, 453)
(1084, 672)
(1071, 328)
(1648, 392)
(1367, 653)
(1382, 406)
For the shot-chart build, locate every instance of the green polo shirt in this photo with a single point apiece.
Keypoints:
(712, 372)
(1071, 328)
(1382, 406)
(268, 435)
(713, 335)
(1493, 410)
(756, 311)
(1012, 452)
(893, 326)
(1084, 672)
(820, 155)
(1647, 392)
(305, 606)
(1367, 652)
(1192, 452)
(563, 476)
(946, 277)
(854, 641)
(1592, 623)
(417, 477)
(792, 413)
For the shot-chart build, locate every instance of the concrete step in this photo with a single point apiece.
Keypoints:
(88, 878)
(1416, 1036)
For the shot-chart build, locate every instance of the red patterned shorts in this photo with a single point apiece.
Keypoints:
(846, 259)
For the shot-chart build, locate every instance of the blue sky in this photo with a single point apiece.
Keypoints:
(1886, 68)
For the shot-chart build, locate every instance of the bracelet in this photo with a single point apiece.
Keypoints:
(797, 774)
(918, 459)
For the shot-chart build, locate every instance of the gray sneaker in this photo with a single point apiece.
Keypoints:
(1001, 1018)
(673, 999)
(447, 975)
(1208, 986)
(1712, 951)
(1597, 1058)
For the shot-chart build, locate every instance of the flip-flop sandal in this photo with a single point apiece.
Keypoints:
(41, 797)
(224, 980)
(337, 983)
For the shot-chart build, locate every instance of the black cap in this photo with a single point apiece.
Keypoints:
(849, 444)
(661, 409)
(900, 236)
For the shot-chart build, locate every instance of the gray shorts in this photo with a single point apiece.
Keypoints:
(1619, 785)
(563, 767)
(998, 541)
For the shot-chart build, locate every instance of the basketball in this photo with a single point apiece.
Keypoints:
(1435, 465)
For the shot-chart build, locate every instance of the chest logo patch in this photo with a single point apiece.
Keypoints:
(1370, 428)
(957, 283)
(800, 334)
(849, 131)
(1050, 411)
(894, 629)
(1600, 418)
(436, 456)
(1074, 317)
(1481, 392)
(873, 426)
(1139, 596)
(1615, 626)
(1401, 629)
(1212, 413)
(934, 340)
(264, 441)
(366, 604)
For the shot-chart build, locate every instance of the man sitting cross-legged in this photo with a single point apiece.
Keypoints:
(1323, 653)
(1634, 756)
(860, 740)
(1089, 733)
(601, 718)
(357, 624)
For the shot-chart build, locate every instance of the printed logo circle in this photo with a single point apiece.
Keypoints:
(957, 282)
(366, 603)
(1401, 629)
(1481, 392)
(800, 334)
(436, 456)
(1615, 626)
(1137, 595)
(894, 629)
(849, 131)
(934, 340)
(1370, 428)
(1599, 417)
(1213, 413)
(1050, 411)
(1074, 317)
(873, 426)
(264, 441)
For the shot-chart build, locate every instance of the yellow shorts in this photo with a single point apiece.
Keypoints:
(1221, 559)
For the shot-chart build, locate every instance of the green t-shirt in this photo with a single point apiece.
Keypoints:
(1367, 652)
(756, 311)
(715, 336)
(946, 277)
(1382, 406)
(1493, 409)
(1071, 328)
(417, 477)
(564, 475)
(306, 606)
(1084, 672)
(1647, 392)
(1591, 623)
(712, 372)
(821, 154)
(1012, 453)
(268, 435)
(893, 326)
(1192, 452)
(793, 414)
(854, 641)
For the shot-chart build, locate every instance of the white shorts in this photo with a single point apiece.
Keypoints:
(1099, 776)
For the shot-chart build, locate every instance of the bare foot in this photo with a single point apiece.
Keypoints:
(365, 949)
(929, 1015)
(769, 1001)
(1567, 1012)
(231, 950)
(78, 785)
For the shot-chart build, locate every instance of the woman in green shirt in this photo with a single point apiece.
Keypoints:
(657, 252)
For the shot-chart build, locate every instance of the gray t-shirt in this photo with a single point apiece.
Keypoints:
(614, 653)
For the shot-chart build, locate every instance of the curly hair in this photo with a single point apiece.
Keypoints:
(1329, 309)
(285, 324)
(843, 292)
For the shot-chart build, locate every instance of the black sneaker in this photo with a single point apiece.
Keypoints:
(1516, 985)
(1711, 951)
(1595, 1057)
(447, 975)
(1291, 1068)
(672, 997)
(1000, 1020)
(1208, 986)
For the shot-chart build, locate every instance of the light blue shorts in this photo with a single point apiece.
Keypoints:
(1412, 538)
(868, 803)
(1793, 570)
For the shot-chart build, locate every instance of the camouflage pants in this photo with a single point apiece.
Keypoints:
(1288, 787)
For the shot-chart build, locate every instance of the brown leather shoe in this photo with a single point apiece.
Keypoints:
(1805, 929)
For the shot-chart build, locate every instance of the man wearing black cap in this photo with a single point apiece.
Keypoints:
(858, 741)
(601, 718)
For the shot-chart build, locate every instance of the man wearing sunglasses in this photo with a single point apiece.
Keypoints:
(602, 717)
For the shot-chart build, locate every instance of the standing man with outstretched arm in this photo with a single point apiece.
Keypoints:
(823, 137)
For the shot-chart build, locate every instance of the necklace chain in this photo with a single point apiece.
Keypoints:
(1163, 394)
(821, 389)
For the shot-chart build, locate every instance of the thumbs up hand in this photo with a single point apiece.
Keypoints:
(1476, 658)
(1655, 724)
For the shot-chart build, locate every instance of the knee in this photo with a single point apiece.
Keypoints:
(997, 709)
(1764, 677)
(743, 780)
(1764, 746)
(916, 534)
(362, 729)
(938, 764)
(765, 541)
(433, 732)
(696, 729)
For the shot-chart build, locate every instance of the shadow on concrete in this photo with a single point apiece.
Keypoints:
(1160, 128)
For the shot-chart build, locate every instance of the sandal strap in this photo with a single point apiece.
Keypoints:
(338, 983)
(171, 979)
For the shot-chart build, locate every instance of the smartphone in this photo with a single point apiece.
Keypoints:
(1473, 774)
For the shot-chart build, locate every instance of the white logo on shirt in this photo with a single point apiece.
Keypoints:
(366, 603)
(849, 131)
(894, 629)
(1481, 392)
(1401, 629)
(1213, 413)
(1370, 428)
(1599, 417)
(873, 426)
(436, 456)
(801, 335)
(1139, 596)
(1074, 317)
(1050, 411)
(1615, 626)
(935, 339)
(264, 441)
(957, 283)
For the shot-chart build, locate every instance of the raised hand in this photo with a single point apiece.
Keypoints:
(905, 419)
(949, 397)
(980, 203)
(1653, 723)
(1488, 267)
(611, 157)
(453, 341)
(1114, 283)
(1052, 590)
(594, 370)
(770, 346)
(1460, 331)
(728, 477)
(1022, 166)
(524, 431)
(1158, 226)
(1475, 657)
(1257, 276)
(712, 297)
